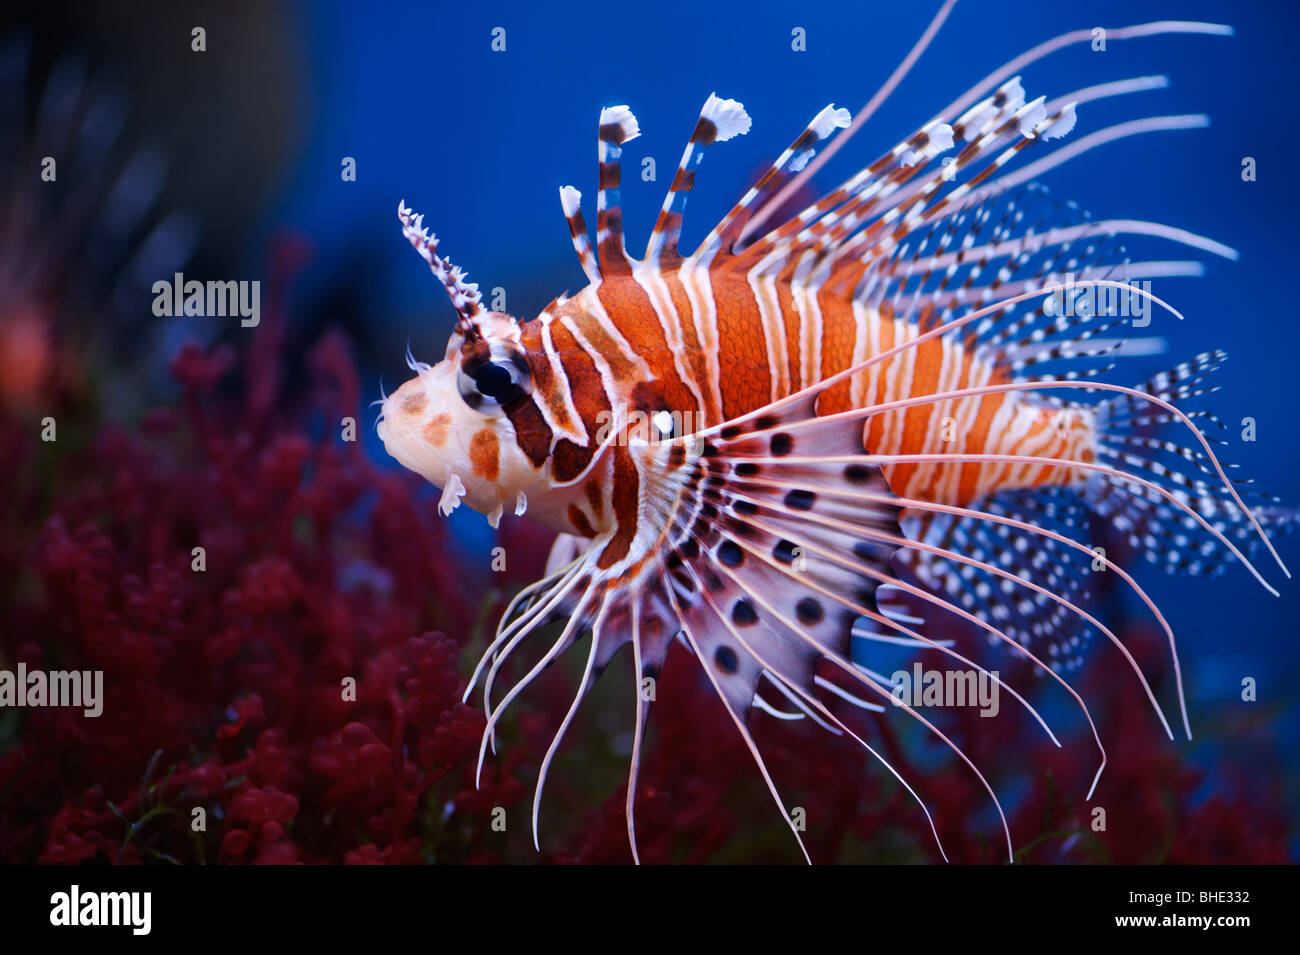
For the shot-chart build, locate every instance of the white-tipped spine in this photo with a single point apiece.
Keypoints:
(622, 117)
(823, 124)
(941, 138)
(1063, 124)
(831, 118)
(727, 115)
(570, 200)
(1029, 116)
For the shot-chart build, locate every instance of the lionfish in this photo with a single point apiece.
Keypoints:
(760, 448)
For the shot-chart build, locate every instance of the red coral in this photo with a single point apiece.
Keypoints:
(265, 699)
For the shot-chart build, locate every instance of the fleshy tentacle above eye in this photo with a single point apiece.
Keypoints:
(465, 297)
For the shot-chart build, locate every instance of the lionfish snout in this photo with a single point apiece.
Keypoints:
(428, 427)
(451, 422)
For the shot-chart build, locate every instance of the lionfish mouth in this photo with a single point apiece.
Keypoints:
(930, 462)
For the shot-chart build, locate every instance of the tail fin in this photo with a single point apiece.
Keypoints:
(1133, 439)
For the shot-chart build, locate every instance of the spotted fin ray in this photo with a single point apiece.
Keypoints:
(1164, 535)
(1030, 617)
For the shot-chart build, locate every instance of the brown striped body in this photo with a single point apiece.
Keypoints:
(713, 347)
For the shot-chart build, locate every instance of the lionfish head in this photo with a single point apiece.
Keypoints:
(449, 423)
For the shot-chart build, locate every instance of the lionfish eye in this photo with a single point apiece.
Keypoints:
(500, 381)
